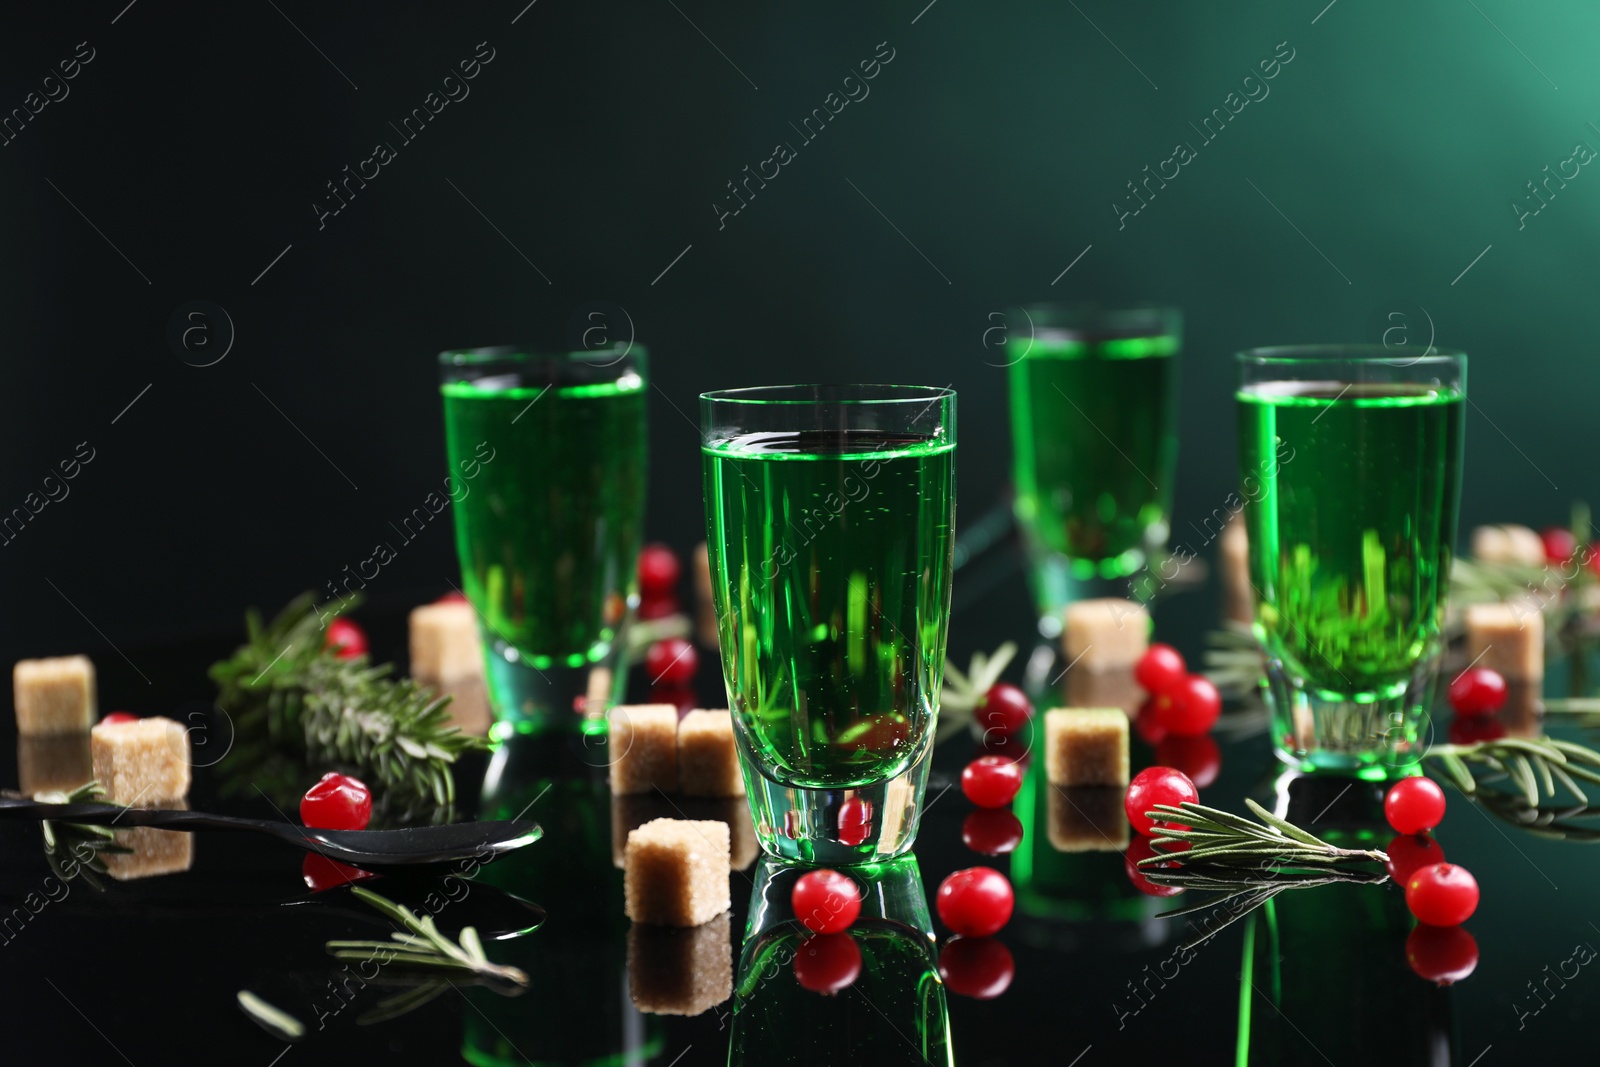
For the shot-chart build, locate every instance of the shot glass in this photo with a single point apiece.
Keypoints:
(547, 461)
(1350, 474)
(1094, 442)
(830, 515)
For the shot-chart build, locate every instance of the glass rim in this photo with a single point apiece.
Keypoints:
(1359, 354)
(471, 357)
(829, 394)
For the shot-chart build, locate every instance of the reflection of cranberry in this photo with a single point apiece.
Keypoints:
(658, 571)
(827, 963)
(1198, 757)
(682, 697)
(321, 873)
(1148, 722)
(991, 831)
(1471, 731)
(672, 661)
(1141, 849)
(1408, 853)
(657, 607)
(855, 821)
(977, 967)
(1442, 954)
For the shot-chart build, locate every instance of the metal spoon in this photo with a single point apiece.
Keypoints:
(364, 848)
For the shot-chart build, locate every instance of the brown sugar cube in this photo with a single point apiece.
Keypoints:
(1508, 638)
(675, 872)
(53, 696)
(1086, 818)
(444, 642)
(644, 748)
(1233, 563)
(1105, 634)
(1086, 746)
(141, 763)
(53, 763)
(1103, 689)
(1508, 544)
(680, 972)
(708, 764)
(151, 851)
(628, 813)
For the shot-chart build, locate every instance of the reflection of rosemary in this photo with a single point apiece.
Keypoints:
(1236, 893)
(73, 849)
(1242, 863)
(1222, 839)
(283, 687)
(1528, 763)
(422, 945)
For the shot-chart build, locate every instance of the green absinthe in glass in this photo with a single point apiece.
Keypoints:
(1351, 527)
(831, 562)
(549, 530)
(1094, 442)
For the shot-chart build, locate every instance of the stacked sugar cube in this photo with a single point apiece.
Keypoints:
(652, 750)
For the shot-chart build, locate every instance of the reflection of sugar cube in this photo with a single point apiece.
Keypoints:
(1508, 638)
(643, 748)
(1086, 746)
(53, 696)
(45, 764)
(1086, 818)
(152, 851)
(680, 972)
(705, 607)
(675, 872)
(1103, 689)
(1106, 633)
(444, 642)
(1508, 544)
(141, 763)
(708, 763)
(1233, 558)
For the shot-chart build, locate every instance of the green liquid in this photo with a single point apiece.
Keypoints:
(549, 531)
(1094, 442)
(893, 1013)
(1351, 497)
(831, 562)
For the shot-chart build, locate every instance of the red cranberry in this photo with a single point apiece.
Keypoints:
(672, 661)
(825, 901)
(975, 902)
(659, 571)
(337, 802)
(346, 637)
(991, 781)
(1160, 670)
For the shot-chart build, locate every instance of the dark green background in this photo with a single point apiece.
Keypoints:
(597, 141)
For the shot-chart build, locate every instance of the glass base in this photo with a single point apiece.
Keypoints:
(1368, 735)
(1057, 581)
(532, 700)
(833, 827)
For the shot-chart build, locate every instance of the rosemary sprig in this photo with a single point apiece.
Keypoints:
(284, 688)
(1222, 839)
(423, 946)
(1532, 765)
